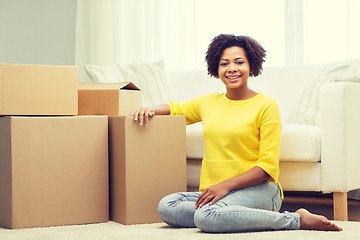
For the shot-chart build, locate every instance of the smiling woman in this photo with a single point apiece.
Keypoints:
(233, 59)
(234, 70)
(239, 181)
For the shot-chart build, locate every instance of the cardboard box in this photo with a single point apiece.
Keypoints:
(38, 90)
(146, 164)
(112, 99)
(53, 171)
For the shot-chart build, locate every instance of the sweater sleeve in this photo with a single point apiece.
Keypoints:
(269, 145)
(191, 109)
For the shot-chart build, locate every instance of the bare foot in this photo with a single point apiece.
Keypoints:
(309, 221)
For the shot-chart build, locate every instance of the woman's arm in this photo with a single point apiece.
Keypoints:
(142, 115)
(250, 178)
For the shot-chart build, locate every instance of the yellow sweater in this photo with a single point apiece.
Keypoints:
(238, 135)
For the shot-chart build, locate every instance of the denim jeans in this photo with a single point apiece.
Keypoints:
(254, 208)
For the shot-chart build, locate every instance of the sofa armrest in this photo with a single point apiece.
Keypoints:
(340, 132)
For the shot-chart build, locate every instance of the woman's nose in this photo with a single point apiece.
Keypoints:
(232, 67)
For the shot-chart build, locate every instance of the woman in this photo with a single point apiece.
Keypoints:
(239, 187)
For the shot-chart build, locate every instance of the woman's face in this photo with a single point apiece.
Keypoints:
(234, 67)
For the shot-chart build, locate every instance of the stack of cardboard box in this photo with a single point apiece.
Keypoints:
(54, 163)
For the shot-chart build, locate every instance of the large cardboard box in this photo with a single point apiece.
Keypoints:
(146, 164)
(38, 90)
(112, 99)
(53, 171)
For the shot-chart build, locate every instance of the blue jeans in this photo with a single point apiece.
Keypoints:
(250, 209)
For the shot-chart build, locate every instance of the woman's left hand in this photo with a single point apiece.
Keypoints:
(212, 194)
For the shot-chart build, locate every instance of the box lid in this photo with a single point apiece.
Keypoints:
(108, 86)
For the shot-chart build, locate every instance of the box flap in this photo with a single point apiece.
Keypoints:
(108, 86)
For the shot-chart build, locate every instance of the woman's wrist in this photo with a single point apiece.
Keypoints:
(162, 109)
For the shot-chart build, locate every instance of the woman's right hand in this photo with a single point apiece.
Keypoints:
(143, 115)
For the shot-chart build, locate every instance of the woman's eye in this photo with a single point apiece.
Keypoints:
(223, 64)
(240, 62)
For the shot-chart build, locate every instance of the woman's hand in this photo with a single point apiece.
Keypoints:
(252, 177)
(212, 194)
(143, 115)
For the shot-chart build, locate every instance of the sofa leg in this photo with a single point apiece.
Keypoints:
(340, 206)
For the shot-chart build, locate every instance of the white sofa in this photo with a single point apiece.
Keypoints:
(323, 158)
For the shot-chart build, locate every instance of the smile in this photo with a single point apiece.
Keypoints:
(233, 77)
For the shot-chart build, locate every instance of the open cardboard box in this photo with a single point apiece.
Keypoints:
(53, 171)
(146, 164)
(38, 89)
(112, 99)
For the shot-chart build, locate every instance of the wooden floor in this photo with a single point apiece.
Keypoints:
(318, 203)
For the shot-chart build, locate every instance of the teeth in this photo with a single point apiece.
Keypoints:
(232, 77)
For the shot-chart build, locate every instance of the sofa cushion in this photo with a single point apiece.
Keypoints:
(294, 176)
(299, 143)
(194, 141)
(300, 176)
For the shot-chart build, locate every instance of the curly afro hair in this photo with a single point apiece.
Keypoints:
(255, 53)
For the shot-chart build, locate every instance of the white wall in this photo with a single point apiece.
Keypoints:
(37, 31)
